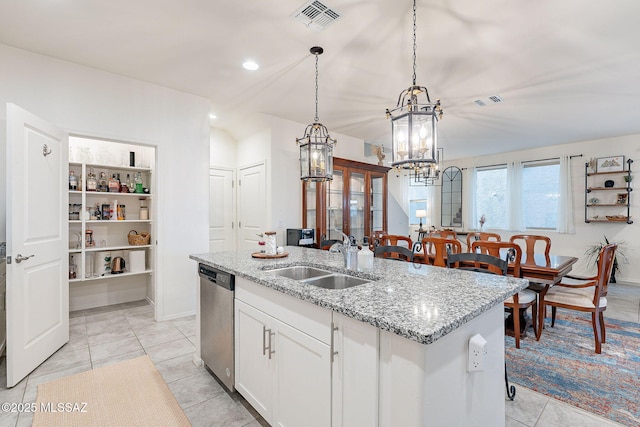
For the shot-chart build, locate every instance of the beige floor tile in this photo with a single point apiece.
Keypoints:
(218, 411)
(170, 350)
(116, 359)
(151, 339)
(195, 389)
(63, 360)
(110, 336)
(115, 348)
(107, 325)
(560, 414)
(526, 407)
(513, 423)
(105, 315)
(180, 367)
(33, 381)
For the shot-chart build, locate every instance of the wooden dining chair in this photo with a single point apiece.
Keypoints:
(481, 263)
(394, 252)
(481, 235)
(435, 250)
(326, 244)
(529, 243)
(395, 240)
(586, 294)
(445, 234)
(518, 303)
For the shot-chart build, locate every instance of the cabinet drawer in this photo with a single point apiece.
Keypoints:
(304, 316)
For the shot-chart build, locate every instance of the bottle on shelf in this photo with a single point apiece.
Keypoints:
(139, 183)
(92, 184)
(131, 183)
(73, 181)
(144, 210)
(114, 186)
(103, 184)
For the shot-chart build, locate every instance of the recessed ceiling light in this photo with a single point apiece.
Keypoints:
(213, 116)
(250, 65)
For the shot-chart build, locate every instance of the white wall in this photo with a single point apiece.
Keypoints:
(223, 149)
(3, 185)
(90, 102)
(586, 234)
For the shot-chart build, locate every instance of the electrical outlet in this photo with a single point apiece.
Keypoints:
(477, 353)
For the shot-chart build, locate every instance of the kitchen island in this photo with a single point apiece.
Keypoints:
(393, 351)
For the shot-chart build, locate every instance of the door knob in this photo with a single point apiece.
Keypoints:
(21, 258)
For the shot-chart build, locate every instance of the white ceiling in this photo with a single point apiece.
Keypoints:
(567, 70)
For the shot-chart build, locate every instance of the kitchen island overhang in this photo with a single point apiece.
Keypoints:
(416, 301)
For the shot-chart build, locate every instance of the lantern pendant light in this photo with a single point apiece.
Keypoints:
(316, 146)
(414, 124)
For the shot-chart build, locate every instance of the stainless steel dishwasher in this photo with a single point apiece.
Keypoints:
(216, 322)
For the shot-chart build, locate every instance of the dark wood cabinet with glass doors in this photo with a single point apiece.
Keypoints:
(354, 203)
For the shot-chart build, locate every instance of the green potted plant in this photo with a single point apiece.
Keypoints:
(593, 251)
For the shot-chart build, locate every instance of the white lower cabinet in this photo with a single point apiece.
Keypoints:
(354, 373)
(283, 371)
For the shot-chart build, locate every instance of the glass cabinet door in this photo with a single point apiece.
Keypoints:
(357, 205)
(377, 205)
(310, 208)
(334, 219)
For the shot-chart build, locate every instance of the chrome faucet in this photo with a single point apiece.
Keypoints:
(349, 254)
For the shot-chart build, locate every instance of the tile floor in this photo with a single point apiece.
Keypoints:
(107, 335)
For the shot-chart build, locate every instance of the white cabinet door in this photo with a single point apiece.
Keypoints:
(254, 367)
(303, 379)
(355, 373)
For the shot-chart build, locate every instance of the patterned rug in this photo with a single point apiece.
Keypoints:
(564, 365)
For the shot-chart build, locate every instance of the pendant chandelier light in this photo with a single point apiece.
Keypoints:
(316, 146)
(429, 173)
(414, 124)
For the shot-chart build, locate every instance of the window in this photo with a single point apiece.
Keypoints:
(491, 197)
(418, 199)
(540, 194)
(518, 196)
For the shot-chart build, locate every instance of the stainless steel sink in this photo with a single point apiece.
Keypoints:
(336, 281)
(300, 272)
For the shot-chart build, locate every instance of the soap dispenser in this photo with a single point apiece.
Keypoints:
(365, 256)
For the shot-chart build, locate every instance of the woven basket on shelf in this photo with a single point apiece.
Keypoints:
(136, 239)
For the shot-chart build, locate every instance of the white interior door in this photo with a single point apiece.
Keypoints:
(221, 211)
(252, 206)
(37, 242)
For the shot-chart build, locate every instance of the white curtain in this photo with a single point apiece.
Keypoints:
(432, 203)
(469, 217)
(566, 224)
(514, 196)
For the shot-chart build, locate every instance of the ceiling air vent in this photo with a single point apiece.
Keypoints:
(493, 99)
(316, 15)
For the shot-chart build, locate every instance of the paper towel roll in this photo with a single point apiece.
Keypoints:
(136, 261)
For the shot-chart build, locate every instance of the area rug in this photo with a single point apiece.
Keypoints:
(564, 365)
(130, 393)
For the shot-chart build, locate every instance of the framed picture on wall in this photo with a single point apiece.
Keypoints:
(610, 164)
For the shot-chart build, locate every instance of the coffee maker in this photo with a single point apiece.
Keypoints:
(300, 237)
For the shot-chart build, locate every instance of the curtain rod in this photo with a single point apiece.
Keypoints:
(531, 161)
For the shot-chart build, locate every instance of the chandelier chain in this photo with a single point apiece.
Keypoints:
(316, 119)
(414, 42)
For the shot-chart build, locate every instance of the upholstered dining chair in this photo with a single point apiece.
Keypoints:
(518, 303)
(583, 294)
(531, 242)
(481, 235)
(435, 250)
(394, 252)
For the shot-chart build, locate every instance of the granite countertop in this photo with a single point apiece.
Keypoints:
(416, 301)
